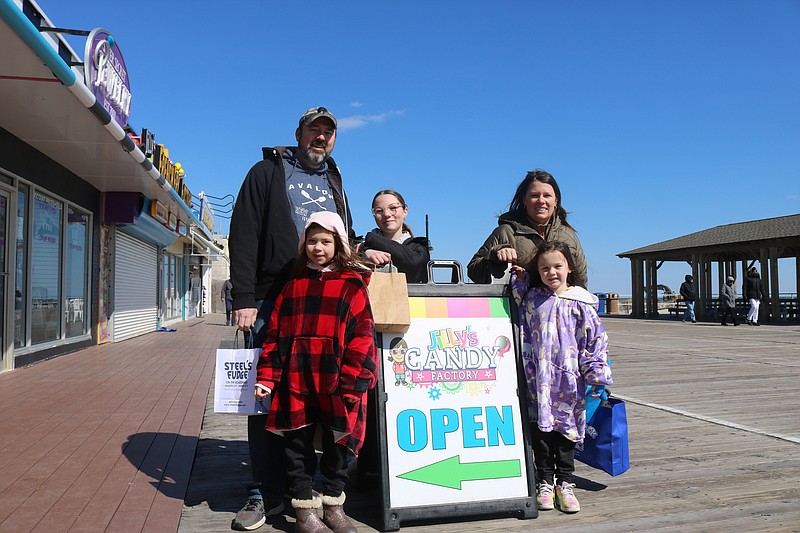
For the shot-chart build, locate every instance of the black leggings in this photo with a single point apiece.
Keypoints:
(554, 455)
(301, 463)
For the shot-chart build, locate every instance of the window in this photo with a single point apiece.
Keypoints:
(45, 269)
(172, 281)
(54, 283)
(75, 265)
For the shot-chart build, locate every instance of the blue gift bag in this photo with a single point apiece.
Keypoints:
(605, 445)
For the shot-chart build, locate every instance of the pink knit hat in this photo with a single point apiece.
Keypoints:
(330, 221)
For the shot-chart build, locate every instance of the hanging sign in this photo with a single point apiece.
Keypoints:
(107, 76)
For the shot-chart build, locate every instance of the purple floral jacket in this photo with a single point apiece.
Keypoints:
(564, 349)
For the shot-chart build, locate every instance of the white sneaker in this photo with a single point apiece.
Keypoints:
(565, 498)
(544, 496)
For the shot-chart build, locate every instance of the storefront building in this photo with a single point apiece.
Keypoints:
(99, 237)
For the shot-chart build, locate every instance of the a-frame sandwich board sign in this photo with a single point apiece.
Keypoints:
(452, 425)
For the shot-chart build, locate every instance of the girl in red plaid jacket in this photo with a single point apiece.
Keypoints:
(318, 362)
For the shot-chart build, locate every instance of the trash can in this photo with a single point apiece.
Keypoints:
(601, 305)
(612, 306)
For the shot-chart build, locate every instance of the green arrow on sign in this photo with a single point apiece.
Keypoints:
(452, 472)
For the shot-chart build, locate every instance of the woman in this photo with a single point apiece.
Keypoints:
(727, 301)
(753, 293)
(534, 216)
(392, 241)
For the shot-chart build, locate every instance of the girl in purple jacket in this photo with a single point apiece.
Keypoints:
(564, 349)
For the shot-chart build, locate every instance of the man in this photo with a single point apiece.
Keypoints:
(687, 292)
(277, 196)
(227, 299)
(727, 301)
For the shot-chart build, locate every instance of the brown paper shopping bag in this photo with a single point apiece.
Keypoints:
(388, 296)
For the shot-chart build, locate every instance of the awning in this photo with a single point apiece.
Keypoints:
(203, 247)
(47, 105)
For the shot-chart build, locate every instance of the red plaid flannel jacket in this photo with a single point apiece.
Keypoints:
(320, 349)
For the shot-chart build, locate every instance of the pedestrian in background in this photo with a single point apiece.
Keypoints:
(225, 296)
(687, 293)
(751, 289)
(727, 301)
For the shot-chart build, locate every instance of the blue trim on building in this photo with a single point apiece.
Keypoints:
(23, 27)
(149, 229)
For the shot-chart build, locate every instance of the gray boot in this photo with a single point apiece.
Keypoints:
(307, 518)
(333, 515)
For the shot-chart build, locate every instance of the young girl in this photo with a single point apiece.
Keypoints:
(392, 241)
(564, 349)
(318, 361)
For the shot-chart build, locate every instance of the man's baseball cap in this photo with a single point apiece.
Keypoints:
(314, 113)
(730, 278)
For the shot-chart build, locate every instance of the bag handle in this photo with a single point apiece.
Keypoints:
(248, 340)
(387, 267)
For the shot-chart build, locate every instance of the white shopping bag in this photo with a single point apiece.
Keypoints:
(235, 380)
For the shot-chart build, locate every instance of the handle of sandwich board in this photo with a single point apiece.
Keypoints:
(500, 277)
(456, 276)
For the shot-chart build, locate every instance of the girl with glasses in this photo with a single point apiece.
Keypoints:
(392, 241)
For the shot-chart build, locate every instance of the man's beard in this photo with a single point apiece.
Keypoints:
(312, 158)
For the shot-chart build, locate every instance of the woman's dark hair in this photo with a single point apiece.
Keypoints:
(343, 259)
(402, 202)
(518, 202)
(547, 247)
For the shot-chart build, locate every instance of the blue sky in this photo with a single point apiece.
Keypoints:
(657, 118)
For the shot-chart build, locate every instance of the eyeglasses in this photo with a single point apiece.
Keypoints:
(390, 210)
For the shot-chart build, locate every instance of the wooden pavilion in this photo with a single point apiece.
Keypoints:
(731, 246)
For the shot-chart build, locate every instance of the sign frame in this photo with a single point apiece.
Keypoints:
(394, 511)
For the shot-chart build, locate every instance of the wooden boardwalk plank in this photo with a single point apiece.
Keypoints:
(106, 448)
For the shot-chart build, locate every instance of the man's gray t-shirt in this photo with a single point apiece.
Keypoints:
(308, 190)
